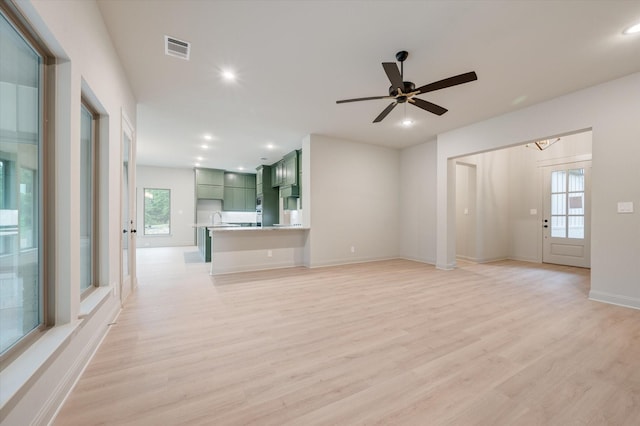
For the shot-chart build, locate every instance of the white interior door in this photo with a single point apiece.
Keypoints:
(566, 223)
(128, 212)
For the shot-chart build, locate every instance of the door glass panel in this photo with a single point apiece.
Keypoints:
(567, 203)
(558, 181)
(126, 143)
(576, 226)
(558, 226)
(558, 204)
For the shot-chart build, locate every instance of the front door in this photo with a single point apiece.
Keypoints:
(128, 212)
(566, 223)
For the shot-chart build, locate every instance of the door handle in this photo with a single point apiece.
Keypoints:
(124, 231)
(134, 231)
(545, 226)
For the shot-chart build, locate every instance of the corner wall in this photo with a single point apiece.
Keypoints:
(417, 215)
(354, 201)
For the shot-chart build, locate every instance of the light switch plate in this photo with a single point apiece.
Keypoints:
(625, 207)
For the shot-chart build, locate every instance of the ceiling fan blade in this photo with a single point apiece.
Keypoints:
(386, 112)
(364, 99)
(448, 82)
(436, 109)
(391, 68)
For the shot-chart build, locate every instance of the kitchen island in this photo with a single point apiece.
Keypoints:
(238, 249)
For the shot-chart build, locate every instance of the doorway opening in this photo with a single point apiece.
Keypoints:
(504, 196)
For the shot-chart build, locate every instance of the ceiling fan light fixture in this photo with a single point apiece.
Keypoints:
(632, 29)
(228, 75)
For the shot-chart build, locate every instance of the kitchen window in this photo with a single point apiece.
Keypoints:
(157, 211)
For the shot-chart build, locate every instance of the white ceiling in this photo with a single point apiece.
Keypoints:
(294, 59)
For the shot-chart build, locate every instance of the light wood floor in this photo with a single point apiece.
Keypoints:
(393, 342)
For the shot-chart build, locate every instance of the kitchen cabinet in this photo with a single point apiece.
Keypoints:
(290, 169)
(268, 195)
(203, 239)
(239, 192)
(209, 192)
(277, 174)
(209, 184)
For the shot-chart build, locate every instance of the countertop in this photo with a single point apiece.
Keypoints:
(256, 228)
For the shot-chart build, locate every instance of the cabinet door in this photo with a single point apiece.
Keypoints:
(209, 177)
(233, 199)
(233, 180)
(249, 199)
(290, 172)
(209, 192)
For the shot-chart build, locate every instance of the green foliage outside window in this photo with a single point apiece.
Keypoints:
(157, 211)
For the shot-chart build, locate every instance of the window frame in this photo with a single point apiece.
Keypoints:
(95, 196)
(45, 182)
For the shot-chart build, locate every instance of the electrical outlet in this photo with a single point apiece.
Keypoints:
(269, 253)
(353, 249)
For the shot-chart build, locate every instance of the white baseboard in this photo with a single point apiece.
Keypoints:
(614, 299)
(50, 409)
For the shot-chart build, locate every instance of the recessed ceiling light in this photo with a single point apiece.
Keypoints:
(199, 158)
(228, 75)
(204, 146)
(270, 146)
(207, 137)
(632, 29)
(240, 168)
(407, 122)
(197, 164)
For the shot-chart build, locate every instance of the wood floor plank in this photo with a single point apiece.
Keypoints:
(390, 342)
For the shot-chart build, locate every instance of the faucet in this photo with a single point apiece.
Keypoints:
(213, 217)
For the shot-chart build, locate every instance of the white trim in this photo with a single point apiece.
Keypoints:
(614, 299)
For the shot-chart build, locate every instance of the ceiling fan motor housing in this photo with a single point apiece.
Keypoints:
(408, 87)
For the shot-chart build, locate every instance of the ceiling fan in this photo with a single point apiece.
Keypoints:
(405, 91)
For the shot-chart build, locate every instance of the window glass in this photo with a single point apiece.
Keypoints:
(20, 288)
(157, 211)
(567, 203)
(86, 199)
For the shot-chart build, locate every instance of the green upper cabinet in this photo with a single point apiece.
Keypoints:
(209, 184)
(277, 174)
(239, 192)
(290, 172)
(209, 177)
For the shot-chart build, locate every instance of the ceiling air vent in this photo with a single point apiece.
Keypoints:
(177, 48)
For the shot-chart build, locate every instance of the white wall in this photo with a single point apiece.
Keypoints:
(354, 201)
(491, 237)
(417, 214)
(610, 110)
(181, 182)
(466, 212)
(87, 62)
